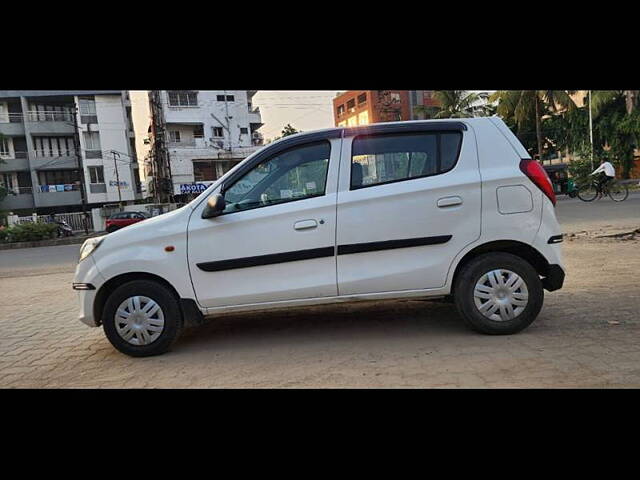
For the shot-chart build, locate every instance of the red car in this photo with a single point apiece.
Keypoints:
(123, 219)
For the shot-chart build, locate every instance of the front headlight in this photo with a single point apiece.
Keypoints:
(89, 246)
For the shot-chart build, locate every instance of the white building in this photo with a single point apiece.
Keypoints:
(41, 162)
(207, 133)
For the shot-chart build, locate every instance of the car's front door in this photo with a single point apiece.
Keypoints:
(408, 202)
(275, 241)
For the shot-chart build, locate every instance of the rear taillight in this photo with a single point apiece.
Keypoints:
(538, 175)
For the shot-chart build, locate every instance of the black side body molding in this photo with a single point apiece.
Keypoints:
(270, 259)
(392, 244)
(274, 258)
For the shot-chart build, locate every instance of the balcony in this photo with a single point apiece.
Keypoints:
(12, 124)
(44, 161)
(53, 199)
(49, 122)
(15, 163)
(17, 199)
(197, 142)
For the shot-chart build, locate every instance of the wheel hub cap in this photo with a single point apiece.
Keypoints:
(139, 320)
(501, 295)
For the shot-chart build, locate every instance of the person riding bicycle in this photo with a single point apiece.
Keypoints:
(607, 174)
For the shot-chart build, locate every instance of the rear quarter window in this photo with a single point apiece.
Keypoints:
(389, 158)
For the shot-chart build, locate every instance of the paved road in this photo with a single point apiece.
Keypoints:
(605, 214)
(587, 335)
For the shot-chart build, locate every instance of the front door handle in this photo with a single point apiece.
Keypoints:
(305, 224)
(449, 201)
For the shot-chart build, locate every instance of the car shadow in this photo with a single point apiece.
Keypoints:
(328, 323)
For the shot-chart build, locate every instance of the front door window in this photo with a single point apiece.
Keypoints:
(294, 174)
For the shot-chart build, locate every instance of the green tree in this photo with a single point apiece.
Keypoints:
(523, 109)
(458, 104)
(289, 130)
(616, 126)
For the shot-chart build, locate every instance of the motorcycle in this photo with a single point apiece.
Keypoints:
(64, 229)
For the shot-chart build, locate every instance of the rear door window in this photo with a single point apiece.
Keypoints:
(388, 158)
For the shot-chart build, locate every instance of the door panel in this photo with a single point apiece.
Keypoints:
(271, 253)
(403, 235)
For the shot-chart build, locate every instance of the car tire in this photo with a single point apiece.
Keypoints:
(489, 280)
(141, 334)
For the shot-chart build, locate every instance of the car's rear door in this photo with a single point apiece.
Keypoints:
(408, 202)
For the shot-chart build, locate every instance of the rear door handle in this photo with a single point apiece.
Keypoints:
(305, 224)
(449, 202)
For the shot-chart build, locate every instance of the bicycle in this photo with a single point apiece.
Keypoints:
(616, 191)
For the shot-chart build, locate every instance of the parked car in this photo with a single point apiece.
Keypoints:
(448, 208)
(123, 219)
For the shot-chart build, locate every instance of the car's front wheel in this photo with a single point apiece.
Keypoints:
(142, 318)
(498, 293)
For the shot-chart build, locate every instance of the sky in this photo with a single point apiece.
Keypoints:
(304, 109)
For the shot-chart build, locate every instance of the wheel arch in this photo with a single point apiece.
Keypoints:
(110, 285)
(525, 251)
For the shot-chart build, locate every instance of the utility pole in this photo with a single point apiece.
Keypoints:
(83, 189)
(115, 165)
(591, 129)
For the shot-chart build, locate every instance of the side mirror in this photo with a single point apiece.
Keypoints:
(215, 206)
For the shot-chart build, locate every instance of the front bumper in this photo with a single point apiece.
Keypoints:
(87, 274)
(554, 278)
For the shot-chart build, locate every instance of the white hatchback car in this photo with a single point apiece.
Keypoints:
(451, 208)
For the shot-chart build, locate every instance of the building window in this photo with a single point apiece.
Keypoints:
(4, 146)
(244, 130)
(230, 98)
(395, 98)
(92, 141)
(198, 131)
(87, 106)
(218, 132)
(392, 158)
(362, 99)
(96, 174)
(181, 98)
(363, 118)
(174, 136)
(340, 109)
(59, 177)
(54, 146)
(351, 104)
(352, 121)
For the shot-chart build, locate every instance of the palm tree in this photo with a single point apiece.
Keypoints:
(521, 106)
(458, 103)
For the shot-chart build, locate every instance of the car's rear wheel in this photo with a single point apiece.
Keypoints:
(498, 293)
(112, 229)
(142, 318)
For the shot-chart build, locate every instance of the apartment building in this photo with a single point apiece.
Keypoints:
(362, 107)
(47, 135)
(204, 133)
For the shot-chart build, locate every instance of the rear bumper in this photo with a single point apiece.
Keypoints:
(554, 278)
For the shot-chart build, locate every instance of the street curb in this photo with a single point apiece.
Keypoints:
(48, 243)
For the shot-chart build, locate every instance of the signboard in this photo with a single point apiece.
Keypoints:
(192, 187)
(123, 184)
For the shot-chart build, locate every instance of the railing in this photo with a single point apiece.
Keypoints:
(54, 154)
(76, 220)
(43, 116)
(20, 191)
(11, 118)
